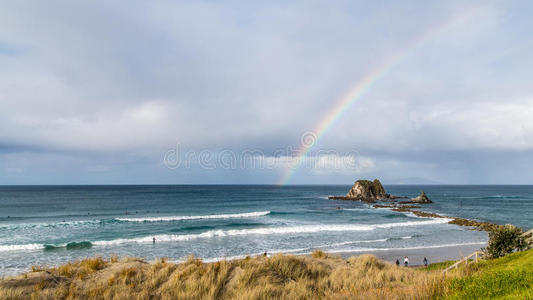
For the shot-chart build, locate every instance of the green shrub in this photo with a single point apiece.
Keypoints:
(504, 240)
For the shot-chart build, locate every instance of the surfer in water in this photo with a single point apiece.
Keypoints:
(153, 241)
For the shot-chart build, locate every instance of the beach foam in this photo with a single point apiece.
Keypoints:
(179, 218)
(21, 247)
(404, 248)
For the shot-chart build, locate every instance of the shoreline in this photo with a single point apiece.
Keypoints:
(434, 254)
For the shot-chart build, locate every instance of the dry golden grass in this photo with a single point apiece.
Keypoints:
(319, 276)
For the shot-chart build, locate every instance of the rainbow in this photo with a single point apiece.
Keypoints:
(363, 85)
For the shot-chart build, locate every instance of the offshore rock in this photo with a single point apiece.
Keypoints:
(422, 198)
(367, 190)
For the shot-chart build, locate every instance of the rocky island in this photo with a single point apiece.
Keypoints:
(372, 191)
(367, 191)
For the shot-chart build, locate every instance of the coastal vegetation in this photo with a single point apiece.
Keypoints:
(318, 276)
(504, 240)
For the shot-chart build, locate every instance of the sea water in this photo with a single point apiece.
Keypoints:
(50, 225)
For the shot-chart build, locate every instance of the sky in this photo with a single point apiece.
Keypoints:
(230, 92)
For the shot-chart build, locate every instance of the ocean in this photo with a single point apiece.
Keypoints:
(50, 225)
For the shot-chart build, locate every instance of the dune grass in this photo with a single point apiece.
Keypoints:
(319, 276)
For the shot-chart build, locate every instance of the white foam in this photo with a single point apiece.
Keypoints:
(21, 247)
(179, 218)
(351, 242)
(388, 209)
(406, 248)
(270, 231)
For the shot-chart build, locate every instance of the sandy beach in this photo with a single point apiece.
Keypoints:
(416, 255)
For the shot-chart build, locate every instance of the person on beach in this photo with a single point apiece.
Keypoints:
(425, 262)
(153, 241)
(406, 261)
(397, 263)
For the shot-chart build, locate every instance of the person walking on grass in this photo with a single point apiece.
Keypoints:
(425, 262)
(406, 261)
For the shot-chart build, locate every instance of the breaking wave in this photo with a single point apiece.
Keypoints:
(179, 218)
(69, 246)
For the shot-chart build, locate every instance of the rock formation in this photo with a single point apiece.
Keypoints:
(367, 190)
(371, 191)
(422, 198)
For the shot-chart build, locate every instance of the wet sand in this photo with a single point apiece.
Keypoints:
(417, 255)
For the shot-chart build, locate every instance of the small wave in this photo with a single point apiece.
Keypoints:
(52, 225)
(350, 243)
(179, 218)
(47, 247)
(192, 228)
(387, 210)
(68, 246)
(365, 209)
(406, 248)
(494, 197)
(402, 238)
(78, 245)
